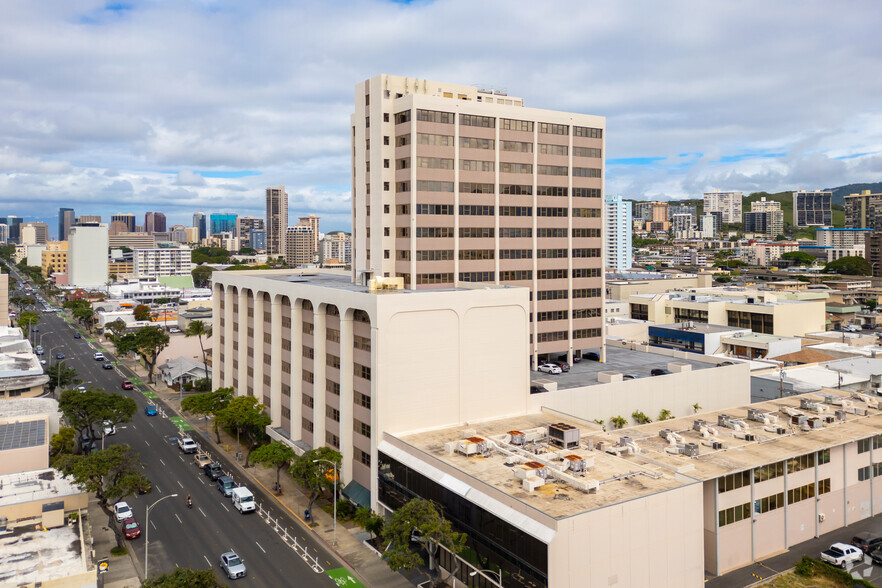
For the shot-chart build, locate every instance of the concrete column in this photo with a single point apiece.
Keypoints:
(319, 378)
(376, 425)
(243, 344)
(259, 329)
(276, 365)
(228, 335)
(296, 360)
(216, 370)
(346, 394)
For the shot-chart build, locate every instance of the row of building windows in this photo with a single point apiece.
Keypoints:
(807, 491)
(864, 445)
(562, 335)
(864, 472)
(734, 514)
(564, 294)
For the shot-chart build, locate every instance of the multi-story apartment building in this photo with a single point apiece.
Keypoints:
(312, 222)
(812, 208)
(66, 219)
(873, 252)
(153, 263)
(727, 203)
(838, 237)
(298, 246)
(336, 245)
(133, 240)
(765, 217)
(54, 258)
(707, 226)
(257, 239)
(682, 209)
(643, 210)
(766, 254)
(222, 223)
(457, 184)
(276, 220)
(681, 222)
(763, 205)
(87, 255)
(201, 225)
(154, 222)
(244, 226)
(862, 211)
(617, 251)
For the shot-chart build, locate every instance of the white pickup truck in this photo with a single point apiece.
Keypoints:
(841, 554)
(187, 445)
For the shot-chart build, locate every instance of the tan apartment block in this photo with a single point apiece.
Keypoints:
(309, 347)
(54, 258)
(453, 184)
(133, 241)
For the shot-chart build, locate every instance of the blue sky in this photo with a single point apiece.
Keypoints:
(198, 105)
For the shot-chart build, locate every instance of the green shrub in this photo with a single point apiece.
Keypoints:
(118, 551)
(805, 567)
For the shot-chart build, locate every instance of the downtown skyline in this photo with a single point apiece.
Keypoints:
(122, 108)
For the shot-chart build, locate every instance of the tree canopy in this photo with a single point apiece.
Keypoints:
(142, 312)
(202, 276)
(800, 257)
(112, 474)
(147, 342)
(62, 376)
(209, 404)
(318, 477)
(246, 416)
(202, 255)
(275, 454)
(849, 266)
(199, 329)
(26, 320)
(184, 578)
(83, 410)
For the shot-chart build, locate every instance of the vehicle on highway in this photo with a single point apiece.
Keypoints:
(123, 511)
(81, 388)
(131, 528)
(59, 356)
(232, 565)
(39, 350)
(213, 471)
(98, 356)
(243, 499)
(127, 385)
(150, 410)
(866, 541)
(42, 362)
(549, 368)
(225, 485)
(77, 336)
(108, 365)
(187, 445)
(842, 554)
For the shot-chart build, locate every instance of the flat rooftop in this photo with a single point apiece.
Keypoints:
(29, 556)
(705, 328)
(638, 461)
(625, 361)
(22, 487)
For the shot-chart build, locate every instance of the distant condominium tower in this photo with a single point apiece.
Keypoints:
(617, 252)
(244, 226)
(276, 220)
(223, 223)
(458, 184)
(312, 222)
(201, 224)
(728, 203)
(863, 211)
(66, 219)
(126, 219)
(812, 208)
(298, 246)
(154, 222)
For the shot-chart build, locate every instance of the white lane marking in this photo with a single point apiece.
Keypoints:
(179, 518)
(158, 490)
(225, 507)
(200, 510)
(179, 484)
(160, 461)
(207, 560)
(153, 525)
(261, 548)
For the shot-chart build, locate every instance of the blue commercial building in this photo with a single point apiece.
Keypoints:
(257, 238)
(223, 223)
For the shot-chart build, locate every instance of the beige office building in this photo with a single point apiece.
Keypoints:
(133, 240)
(34, 233)
(276, 220)
(457, 184)
(312, 222)
(298, 246)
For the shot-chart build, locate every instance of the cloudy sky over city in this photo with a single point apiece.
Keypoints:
(182, 105)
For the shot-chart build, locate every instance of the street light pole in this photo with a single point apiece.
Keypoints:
(147, 533)
(473, 574)
(335, 494)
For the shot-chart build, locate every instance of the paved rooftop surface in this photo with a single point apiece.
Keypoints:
(29, 556)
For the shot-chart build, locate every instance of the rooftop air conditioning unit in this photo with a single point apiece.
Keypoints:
(697, 424)
(564, 435)
(691, 450)
(517, 437)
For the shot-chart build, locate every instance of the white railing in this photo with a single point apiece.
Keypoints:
(291, 540)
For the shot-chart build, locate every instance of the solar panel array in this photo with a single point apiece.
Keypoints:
(20, 435)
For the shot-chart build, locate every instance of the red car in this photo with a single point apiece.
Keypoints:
(127, 385)
(131, 528)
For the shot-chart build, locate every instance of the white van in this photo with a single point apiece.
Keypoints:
(243, 499)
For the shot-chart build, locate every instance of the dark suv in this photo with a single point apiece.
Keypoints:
(213, 470)
(866, 541)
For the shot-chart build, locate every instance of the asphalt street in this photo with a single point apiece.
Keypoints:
(180, 536)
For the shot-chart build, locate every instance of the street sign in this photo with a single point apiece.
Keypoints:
(103, 565)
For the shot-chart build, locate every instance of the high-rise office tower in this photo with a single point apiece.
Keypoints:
(298, 246)
(14, 223)
(66, 219)
(617, 253)
(34, 233)
(200, 222)
(127, 219)
(222, 223)
(457, 184)
(276, 219)
(812, 207)
(87, 255)
(154, 222)
(244, 226)
(312, 222)
(728, 203)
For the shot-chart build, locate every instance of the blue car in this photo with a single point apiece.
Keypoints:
(150, 410)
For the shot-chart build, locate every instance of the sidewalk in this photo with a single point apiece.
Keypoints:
(122, 572)
(352, 552)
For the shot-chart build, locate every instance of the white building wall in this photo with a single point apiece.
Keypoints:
(617, 252)
(87, 256)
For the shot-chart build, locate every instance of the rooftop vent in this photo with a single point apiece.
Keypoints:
(564, 435)
(518, 437)
(576, 463)
(691, 450)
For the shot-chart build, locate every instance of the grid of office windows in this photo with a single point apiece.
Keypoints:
(734, 514)
(801, 462)
(733, 481)
(435, 116)
(763, 505)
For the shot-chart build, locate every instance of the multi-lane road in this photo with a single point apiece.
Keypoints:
(180, 536)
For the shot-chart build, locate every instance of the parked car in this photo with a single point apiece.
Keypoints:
(232, 565)
(123, 511)
(549, 368)
(109, 428)
(866, 541)
(174, 330)
(876, 556)
(131, 528)
(842, 554)
(187, 445)
(535, 389)
(592, 356)
(39, 350)
(630, 377)
(108, 365)
(213, 471)
(201, 459)
(98, 356)
(77, 336)
(127, 385)
(659, 372)
(564, 366)
(225, 485)
(59, 356)
(150, 410)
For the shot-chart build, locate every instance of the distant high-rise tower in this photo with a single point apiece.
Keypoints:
(244, 226)
(200, 222)
(128, 219)
(276, 220)
(312, 222)
(453, 183)
(223, 222)
(66, 219)
(34, 233)
(299, 246)
(617, 240)
(728, 203)
(154, 222)
(812, 207)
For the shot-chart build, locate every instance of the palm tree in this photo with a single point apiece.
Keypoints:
(198, 329)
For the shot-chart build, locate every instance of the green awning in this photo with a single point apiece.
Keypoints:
(358, 494)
